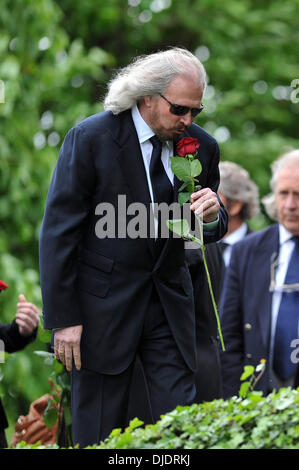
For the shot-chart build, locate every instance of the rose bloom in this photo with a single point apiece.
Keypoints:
(3, 286)
(187, 145)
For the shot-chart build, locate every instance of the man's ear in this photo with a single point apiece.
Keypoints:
(147, 100)
(235, 208)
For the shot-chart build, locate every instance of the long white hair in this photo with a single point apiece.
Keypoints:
(150, 75)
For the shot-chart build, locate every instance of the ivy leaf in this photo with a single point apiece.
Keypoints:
(244, 389)
(135, 423)
(248, 371)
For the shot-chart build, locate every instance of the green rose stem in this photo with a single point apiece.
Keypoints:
(187, 168)
(202, 246)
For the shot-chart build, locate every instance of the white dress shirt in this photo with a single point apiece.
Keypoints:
(144, 133)
(231, 239)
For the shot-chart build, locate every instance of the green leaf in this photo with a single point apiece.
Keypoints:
(135, 423)
(184, 185)
(115, 432)
(248, 371)
(196, 168)
(50, 415)
(184, 197)
(179, 226)
(181, 168)
(244, 389)
(49, 358)
(64, 380)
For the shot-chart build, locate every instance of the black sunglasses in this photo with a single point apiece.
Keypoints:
(179, 110)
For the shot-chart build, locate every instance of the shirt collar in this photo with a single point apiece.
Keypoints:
(284, 234)
(236, 235)
(143, 130)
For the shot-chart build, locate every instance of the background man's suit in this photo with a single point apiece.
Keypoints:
(107, 285)
(246, 309)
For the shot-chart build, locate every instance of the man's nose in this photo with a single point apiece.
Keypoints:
(187, 119)
(290, 202)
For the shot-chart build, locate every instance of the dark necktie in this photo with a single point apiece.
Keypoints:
(222, 245)
(287, 321)
(162, 187)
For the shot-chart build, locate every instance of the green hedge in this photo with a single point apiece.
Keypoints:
(253, 422)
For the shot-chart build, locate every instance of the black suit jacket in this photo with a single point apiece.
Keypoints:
(246, 308)
(106, 284)
(208, 385)
(13, 341)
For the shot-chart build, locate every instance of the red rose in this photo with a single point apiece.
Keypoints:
(3, 286)
(187, 145)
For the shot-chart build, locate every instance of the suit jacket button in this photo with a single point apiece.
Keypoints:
(248, 326)
(249, 356)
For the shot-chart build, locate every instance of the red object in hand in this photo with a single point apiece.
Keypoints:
(187, 145)
(3, 286)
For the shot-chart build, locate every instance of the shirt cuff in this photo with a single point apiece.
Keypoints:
(211, 225)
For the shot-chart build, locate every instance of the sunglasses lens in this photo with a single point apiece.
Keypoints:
(179, 110)
(183, 110)
(196, 111)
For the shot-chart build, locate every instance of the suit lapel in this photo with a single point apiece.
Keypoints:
(130, 159)
(131, 162)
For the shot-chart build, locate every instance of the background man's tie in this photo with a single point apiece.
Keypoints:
(287, 321)
(222, 245)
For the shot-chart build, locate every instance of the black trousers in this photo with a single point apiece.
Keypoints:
(100, 401)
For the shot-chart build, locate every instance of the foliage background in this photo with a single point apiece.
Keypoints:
(55, 59)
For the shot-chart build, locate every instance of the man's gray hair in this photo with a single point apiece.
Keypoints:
(286, 160)
(236, 185)
(150, 75)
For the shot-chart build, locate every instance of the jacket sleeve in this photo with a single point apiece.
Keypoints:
(215, 233)
(13, 341)
(67, 207)
(232, 359)
(213, 184)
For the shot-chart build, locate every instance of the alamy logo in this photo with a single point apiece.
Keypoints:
(295, 353)
(136, 221)
(2, 92)
(293, 96)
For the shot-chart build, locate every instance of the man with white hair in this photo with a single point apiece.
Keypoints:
(240, 197)
(115, 297)
(260, 302)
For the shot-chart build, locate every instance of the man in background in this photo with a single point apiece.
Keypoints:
(16, 336)
(240, 197)
(260, 301)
